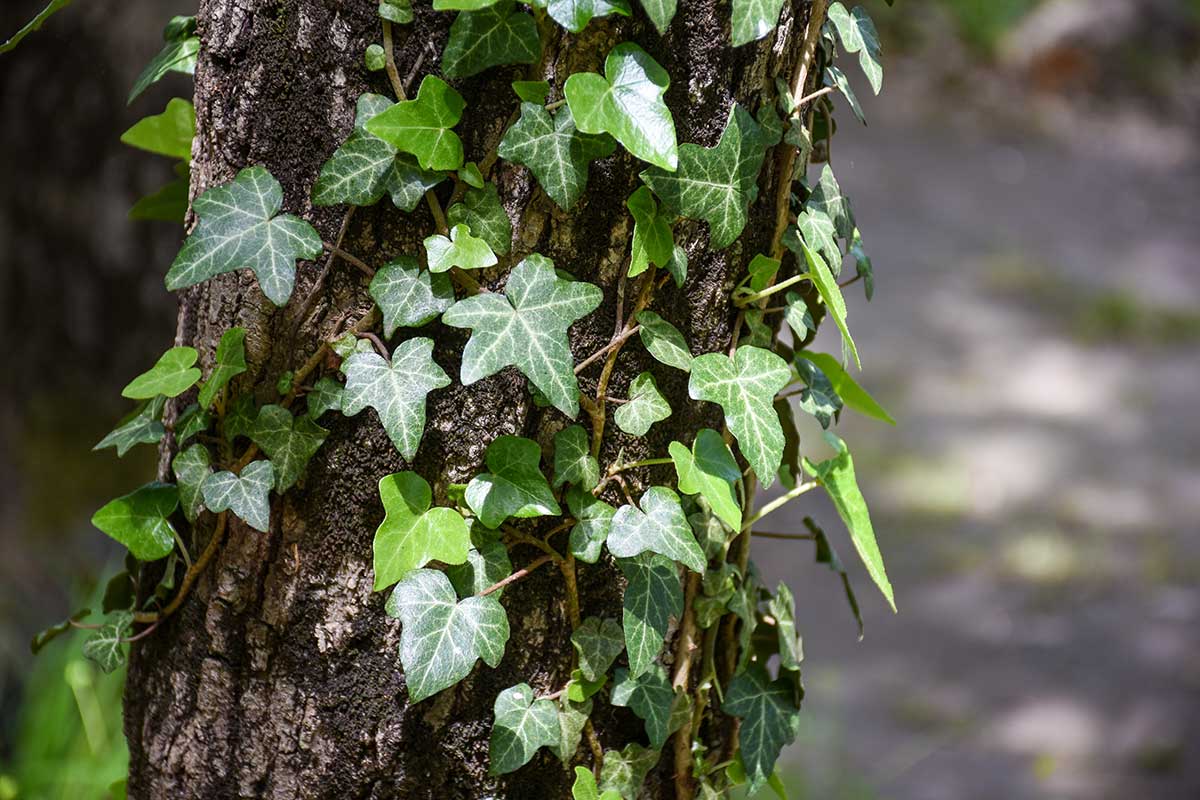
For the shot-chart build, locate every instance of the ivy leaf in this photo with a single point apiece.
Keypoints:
(754, 19)
(624, 772)
(397, 11)
(827, 199)
(172, 375)
(783, 608)
(177, 55)
(527, 329)
(652, 238)
(598, 643)
(651, 697)
(460, 249)
(469, 174)
(231, 362)
(837, 477)
(831, 295)
(818, 397)
(143, 426)
(487, 563)
(365, 166)
(858, 35)
(191, 468)
(710, 470)
(837, 79)
(627, 103)
(556, 153)
(536, 92)
(770, 720)
(52, 8)
(715, 184)
(574, 15)
(412, 534)
(246, 495)
(678, 265)
(105, 647)
(573, 459)
(481, 211)
(490, 37)
(141, 521)
(852, 394)
(646, 406)
(594, 521)
(441, 638)
(396, 391)
(240, 416)
(664, 341)
(514, 486)
(241, 227)
(167, 134)
(193, 420)
(462, 5)
(572, 717)
(862, 263)
(288, 441)
(819, 233)
(660, 526)
(169, 203)
(523, 724)
(326, 395)
(745, 388)
(660, 12)
(653, 595)
(798, 317)
(409, 296)
(422, 126)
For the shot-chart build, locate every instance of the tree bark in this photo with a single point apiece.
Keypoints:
(279, 676)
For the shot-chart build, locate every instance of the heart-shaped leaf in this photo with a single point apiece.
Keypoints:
(651, 697)
(646, 406)
(514, 486)
(594, 521)
(660, 12)
(770, 720)
(490, 37)
(141, 521)
(191, 467)
(482, 212)
(664, 341)
(710, 470)
(172, 375)
(754, 19)
(409, 296)
(598, 643)
(660, 526)
(460, 249)
(167, 134)
(554, 150)
(652, 239)
(412, 534)
(288, 441)
(573, 460)
(574, 15)
(247, 495)
(653, 595)
(422, 126)
(523, 724)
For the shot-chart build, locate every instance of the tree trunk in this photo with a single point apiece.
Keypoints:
(279, 677)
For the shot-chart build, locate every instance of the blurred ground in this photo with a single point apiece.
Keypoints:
(1032, 215)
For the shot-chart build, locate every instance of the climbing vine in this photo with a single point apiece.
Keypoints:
(684, 548)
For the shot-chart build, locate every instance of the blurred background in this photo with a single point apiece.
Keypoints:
(1029, 189)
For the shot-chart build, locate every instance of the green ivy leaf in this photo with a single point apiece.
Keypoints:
(651, 697)
(514, 486)
(536, 92)
(770, 720)
(143, 426)
(627, 103)
(52, 8)
(754, 19)
(231, 362)
(169, 203)
(398, 11)
(241, 227)
(441, 638)
(818, 397)
(481, 211)
(837, 477)
(660, 12)
(527, 328)
(193, 420)
(710, 470)
(660, 526)
(374, 58)
(488, 38)
(240, 416)
(460, 249)
(819, 233)
(858, 35)
(365, 167)
(594, 521)
(246, 494)
(523, 724)
(409, 296)
(646, 406)
(462, 5)
(396, 391)
(191, 467)
(288, 441)
(624, 772)
(554, 151)
(412, 534)
(852, 394)
(487, 563)
(177, 55)
(326, 395)
(664, 341)
(572, 717)
(422, 126)
(573, 459)
(828, 200)
(469, 174)
(585, 787)
(653, 241)
(837, 79)
(105, 647)
(167, 134)
(172, 375)
(798, 317)
(678, 265)
(862, 263)
(831, 295)
(574, 15)
(579, 689)
(652, 596)
(715, 184)
(598, 643)
(745, 388)
(783, 608)
(141, 521)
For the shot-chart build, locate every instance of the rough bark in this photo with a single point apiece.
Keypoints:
(279, 677)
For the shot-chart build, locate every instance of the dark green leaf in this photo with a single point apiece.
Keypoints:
(770, 720)
(290, 442)
(523, 724)
(598, 643)
(143, 426)
(556, 153)
(409, 296)
(573, 459)
(230, 362)
(481, 211)
(653, 595)
(653, 242)
(488, 38)
(246, 494)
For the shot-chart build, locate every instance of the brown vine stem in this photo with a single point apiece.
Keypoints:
(319, 283)
(772, 535)
(684, 649)
(189, 578)
(616, 341)
(619, 339)
(349, 258)
(520, 574)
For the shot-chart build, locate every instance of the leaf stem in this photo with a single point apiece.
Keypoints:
(189, 578)
(778, 287)
(684, 648)
(349, 258)
(770, 535)
(520, 574)
(616, 341)
(390, 61)
(778, 502)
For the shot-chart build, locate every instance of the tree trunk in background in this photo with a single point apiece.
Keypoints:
(280, 676)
